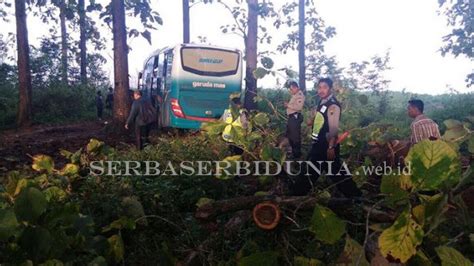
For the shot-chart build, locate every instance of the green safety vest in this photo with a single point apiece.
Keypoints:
(229, 120)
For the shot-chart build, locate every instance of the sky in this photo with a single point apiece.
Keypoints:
(411, 30)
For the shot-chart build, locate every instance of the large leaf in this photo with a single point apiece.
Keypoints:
(260, 72)
(353, 254)
(302, 261)
(228, 167)
(451, 257)
(265, 258)
(326, 226)
(261, 119)
(43, 163)
(391, 186)
(36, 241)
(30, 204)
(433, 164)
(434, 208)
(401, 239)
(69, 169)
(94, 146)
(116, 247)
(455, 130)
(267, 62)
(8, 223)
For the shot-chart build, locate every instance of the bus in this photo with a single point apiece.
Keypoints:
(190, 83)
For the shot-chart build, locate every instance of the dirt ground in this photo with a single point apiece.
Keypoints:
(16, 146)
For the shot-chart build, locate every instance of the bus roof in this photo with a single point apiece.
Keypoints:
(159, 51)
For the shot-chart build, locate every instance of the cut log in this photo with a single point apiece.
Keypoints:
(216, 208)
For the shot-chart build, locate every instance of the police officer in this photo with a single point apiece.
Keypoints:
(324, 122)
(295, 118)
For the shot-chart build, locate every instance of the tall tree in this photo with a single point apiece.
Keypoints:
(24, 75)
(301, 45)
(186, 30)
(251, 40)
(121, 95)
(82, 42)
(460, 15)
(64, 45)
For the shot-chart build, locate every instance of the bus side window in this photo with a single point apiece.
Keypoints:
(147, 75)
(167, 69)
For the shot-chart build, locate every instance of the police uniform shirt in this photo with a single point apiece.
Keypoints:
(296, 103)
(333, 115)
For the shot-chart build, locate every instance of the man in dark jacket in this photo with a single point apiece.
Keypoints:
(141, 128)
(109, 100)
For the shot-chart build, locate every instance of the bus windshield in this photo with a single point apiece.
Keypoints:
(209, 61)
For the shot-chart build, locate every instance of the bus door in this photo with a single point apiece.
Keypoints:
(165, 72)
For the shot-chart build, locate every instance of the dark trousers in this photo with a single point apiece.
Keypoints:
(141, 135)
(100, 109)
(293, 133)
(303, 183)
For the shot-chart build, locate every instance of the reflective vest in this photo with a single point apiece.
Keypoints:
(229, 120)
(320, 123)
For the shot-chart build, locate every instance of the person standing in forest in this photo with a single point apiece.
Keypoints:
(324, 153)
(422, 127)
(99, 103)
(142, 128)
(295, 118)
(109, 100)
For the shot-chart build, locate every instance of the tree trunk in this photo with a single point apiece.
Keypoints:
(186, 31)
(121, 92)
(62, 18)
(251, 55)
(301, 45)
(24, 75)
(82, 41)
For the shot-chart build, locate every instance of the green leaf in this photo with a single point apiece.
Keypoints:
(30, 204)
(391, 186)
(147, 35)
(434, 164)
(455, 130)
(261, 119)
(401, 239)
(326, 226)
(434, 208)
(260, 72)
(98, 261)
(117, 248)
(353, 254)
(69, 169)
(54, 194)
(265, 258)
(43, 163)
(203, 201)
(230, 161)
(8, 223)
(363, 99)
(302, 261)
(267, 62)
(119, 224)
(36, 241)
(451, 257)
(94, 146)
(52, 262)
